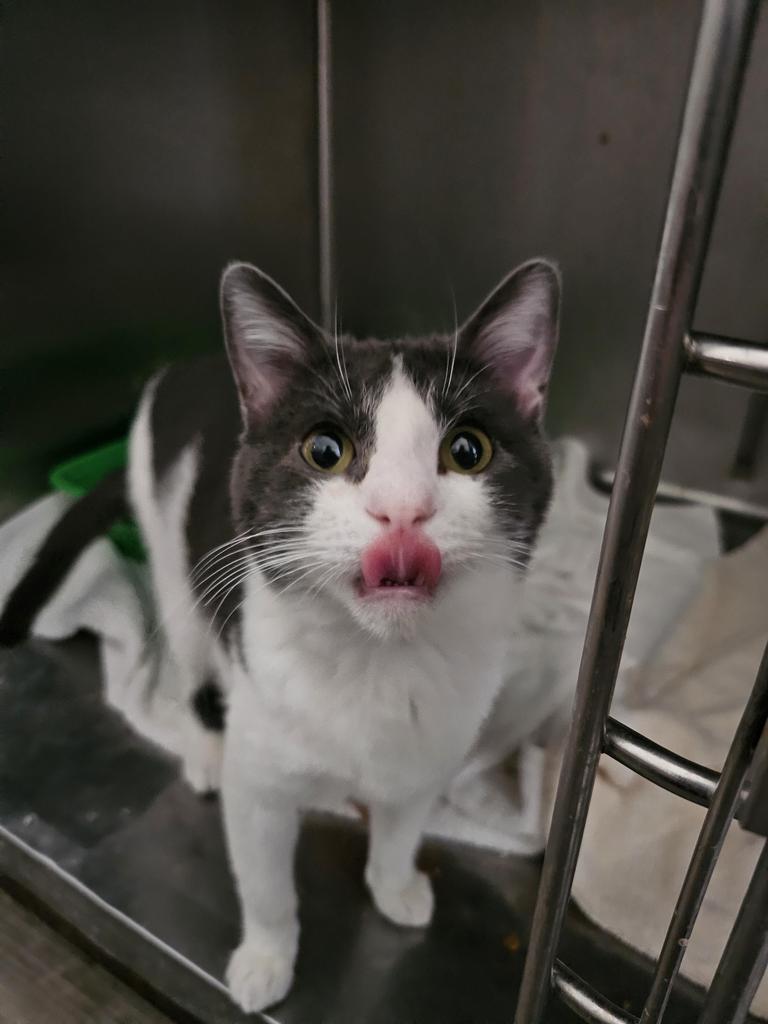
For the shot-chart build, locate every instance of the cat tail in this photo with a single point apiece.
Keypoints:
(89, 518)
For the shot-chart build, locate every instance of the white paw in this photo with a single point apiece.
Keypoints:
(260, 971)
(410, 905)
(202, 764)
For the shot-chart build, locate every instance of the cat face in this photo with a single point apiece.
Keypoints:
(380, 474)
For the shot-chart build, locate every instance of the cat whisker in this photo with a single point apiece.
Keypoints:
(216, 575)
(334, 572)
(451, 363)
(226, 571)
(239, 555)
(304, 575)
(497, 558)
(252, 573)
(223, 626)
(254, 551)
(343, 375)
(275, 563)
(249, 573)
(337, 320)
(214, 552)
(464, 384)
(187, 606)
(240, 539)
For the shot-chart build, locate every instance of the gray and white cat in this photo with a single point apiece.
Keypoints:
(337, 532)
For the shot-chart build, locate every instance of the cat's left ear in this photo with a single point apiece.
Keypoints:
(514, 334)
(268, 338)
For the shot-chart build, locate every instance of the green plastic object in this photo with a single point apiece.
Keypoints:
(80, 475)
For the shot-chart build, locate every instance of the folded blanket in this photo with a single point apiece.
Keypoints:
(689, 698)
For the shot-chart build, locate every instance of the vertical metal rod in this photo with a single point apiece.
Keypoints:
(709, 110)
(708, 846)
(744, 960)
(326, 269)
(753, 809)
(752, 434)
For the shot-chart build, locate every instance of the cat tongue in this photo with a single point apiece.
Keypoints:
(401, 558)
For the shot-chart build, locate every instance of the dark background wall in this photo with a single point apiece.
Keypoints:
(146, 144)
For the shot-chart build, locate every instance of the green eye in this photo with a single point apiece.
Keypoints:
(328, 450)
(465, 450)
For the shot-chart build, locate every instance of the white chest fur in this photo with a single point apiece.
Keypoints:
(325, 703)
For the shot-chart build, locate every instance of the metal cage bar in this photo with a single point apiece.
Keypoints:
(726, 359)
(723, 42)
(708, 846)
(753, 812)
(752, 430)
(745, 958)
(657, 764)
(584, 1000)
(326, 267)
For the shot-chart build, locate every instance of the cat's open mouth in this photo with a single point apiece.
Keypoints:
(400, 564)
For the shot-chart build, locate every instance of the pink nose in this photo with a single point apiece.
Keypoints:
(398, 514)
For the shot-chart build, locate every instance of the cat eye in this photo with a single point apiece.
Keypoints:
(327, 449)
(465, 450)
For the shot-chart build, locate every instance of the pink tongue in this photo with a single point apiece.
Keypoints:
(402, 558)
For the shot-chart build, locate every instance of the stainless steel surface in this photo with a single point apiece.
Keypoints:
(735, 362)
(664, 767)
(745, 957)
(97, 824)
(130, 948)
(589, 1004)
(326, 275)
(470, 136)
(713, 92)
(708, 845)
(156, 141)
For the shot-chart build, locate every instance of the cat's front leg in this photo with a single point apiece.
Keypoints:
(401, 892)
(262, 828)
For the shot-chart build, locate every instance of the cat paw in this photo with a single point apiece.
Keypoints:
(410, 905)
(260, 972)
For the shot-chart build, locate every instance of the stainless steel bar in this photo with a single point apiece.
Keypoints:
(753, 812)
(708, 846)
(745, 958)
(326, 265)
(752, 436)
(584, 1000)
(657, 764)
(716, 77)
(677, 492)
(185, 991)
(736, 362)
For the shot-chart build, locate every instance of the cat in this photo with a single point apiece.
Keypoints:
(338, 530)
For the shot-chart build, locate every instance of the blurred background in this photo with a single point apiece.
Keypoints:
(148, 143)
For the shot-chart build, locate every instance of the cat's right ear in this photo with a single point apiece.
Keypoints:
(267, 337)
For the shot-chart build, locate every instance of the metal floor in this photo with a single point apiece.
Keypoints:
(97, 826)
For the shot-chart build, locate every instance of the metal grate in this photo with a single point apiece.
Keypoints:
(669, 349)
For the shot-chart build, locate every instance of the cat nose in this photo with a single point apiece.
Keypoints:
(399, 514)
